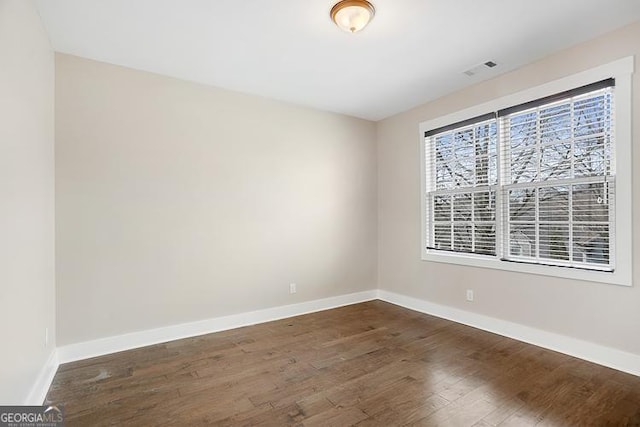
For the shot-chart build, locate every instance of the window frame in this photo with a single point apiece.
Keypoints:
(621, 70)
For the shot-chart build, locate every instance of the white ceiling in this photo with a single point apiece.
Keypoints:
(412, 52)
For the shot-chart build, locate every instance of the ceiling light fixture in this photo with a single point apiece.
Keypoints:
(352, 15)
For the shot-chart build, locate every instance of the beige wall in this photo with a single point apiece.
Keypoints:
(599, 313)
(27, 294)
(177, 202)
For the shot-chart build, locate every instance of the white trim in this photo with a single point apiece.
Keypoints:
(102, 346)
(621, 70)
(596, 353)
(602, 355)
(43, 382)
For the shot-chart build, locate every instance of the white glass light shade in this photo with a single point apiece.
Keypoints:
(352, 15)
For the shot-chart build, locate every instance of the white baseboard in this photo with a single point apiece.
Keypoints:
(602, 355)
(100, 347)
(41, 387)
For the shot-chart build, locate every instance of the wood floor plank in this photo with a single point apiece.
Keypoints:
(369, 364)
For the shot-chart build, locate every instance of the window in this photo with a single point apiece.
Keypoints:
(559, 179)
(530, 185)
(462, 186)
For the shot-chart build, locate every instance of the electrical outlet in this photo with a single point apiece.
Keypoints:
(469, 294)
(292, 288)
(46, 337)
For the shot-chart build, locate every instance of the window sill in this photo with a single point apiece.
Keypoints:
(613, 278)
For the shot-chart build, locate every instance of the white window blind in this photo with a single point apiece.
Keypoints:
(531, 183)
(461, 202)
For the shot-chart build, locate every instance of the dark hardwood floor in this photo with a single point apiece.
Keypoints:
(370, 364)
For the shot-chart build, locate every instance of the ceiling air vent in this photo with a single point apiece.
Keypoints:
(480, 69)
